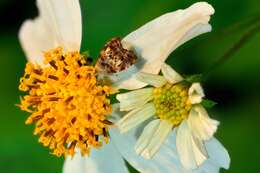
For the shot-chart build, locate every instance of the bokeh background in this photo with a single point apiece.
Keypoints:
(234, 83)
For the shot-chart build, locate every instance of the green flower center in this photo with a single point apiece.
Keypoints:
(172, 103)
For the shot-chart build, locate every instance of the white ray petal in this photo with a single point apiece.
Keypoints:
(59, 24)
(196, 93)
(194, 32)
(136, 117)
(151, 79)
(154, 41)
(201, 125)
(217, 153)
(35, 37)
(159, 136)
(125, 78)
(64, 19)
(103, 160)
(165, 162)
(191, 150)
(169, 148)
(134, 99)
(74, 164)
(170, 74)
(146, 136)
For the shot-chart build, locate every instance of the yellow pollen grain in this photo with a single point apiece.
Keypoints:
(67, 104)
(172, 103)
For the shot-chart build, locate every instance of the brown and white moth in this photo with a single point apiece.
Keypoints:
(113, 58)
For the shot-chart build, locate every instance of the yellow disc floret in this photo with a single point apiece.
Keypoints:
(172, 103)
(67, 104)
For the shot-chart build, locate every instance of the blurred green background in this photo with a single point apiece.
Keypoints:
(234, 85)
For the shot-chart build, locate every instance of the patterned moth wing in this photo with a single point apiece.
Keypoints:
(113, 58)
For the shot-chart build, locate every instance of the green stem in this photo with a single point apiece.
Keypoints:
(250, 21)
(234, 28)
(230, 52)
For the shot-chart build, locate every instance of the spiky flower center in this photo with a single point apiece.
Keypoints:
(67, 104)
(172, 103)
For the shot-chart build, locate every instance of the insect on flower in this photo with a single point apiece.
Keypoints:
(114, 58)
(70, 106)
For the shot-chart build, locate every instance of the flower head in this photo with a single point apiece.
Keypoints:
(67, 103)
(175, 104)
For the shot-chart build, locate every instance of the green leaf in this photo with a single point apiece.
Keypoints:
(208, 103)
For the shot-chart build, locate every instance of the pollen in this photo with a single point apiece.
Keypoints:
(172, 103)
(66, 102)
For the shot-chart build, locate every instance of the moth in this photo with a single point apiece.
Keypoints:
(113, 58)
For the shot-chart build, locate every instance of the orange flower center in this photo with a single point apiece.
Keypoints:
(68, 106)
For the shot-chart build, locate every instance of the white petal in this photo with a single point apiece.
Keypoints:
(165, 162)
(134, 99)
(154, 41)
(218, 156)
(146, 136)
(157, 39)
(136, 117)
(103, 160)
(125, 79)
(217, 153)
(59, 24)
(196, 93)
(170, 74)
(151, 79)
(202, 126)
(195, 31)
(74, 165)
(191, 150)
(155, 138)
(106, 159)
(160, 163)
(64, 19)
(35, 37)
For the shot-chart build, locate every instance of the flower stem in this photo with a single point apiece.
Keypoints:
(230, 52)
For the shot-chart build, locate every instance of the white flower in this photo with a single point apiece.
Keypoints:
(175, 105)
